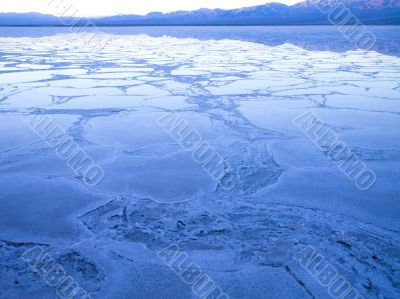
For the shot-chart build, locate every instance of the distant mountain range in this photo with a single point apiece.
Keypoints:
(369, 12)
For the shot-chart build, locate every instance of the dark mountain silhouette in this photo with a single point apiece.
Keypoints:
(370, 12)
(15, 19)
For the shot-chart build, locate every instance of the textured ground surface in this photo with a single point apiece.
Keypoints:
(242, 98)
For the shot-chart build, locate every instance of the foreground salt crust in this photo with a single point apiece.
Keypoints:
(242, 97)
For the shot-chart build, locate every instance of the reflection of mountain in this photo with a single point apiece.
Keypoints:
(368, 11)
(313, 38)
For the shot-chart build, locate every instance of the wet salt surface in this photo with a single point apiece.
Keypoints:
(242, 97)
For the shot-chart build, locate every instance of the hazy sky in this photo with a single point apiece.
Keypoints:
(113, 7)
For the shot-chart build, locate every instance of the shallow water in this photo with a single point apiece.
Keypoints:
(240, 89)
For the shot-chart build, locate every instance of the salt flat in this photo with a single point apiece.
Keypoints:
(241, 97)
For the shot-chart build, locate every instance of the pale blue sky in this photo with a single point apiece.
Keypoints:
(113, 7)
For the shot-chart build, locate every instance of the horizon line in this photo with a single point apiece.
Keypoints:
(151, 12)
